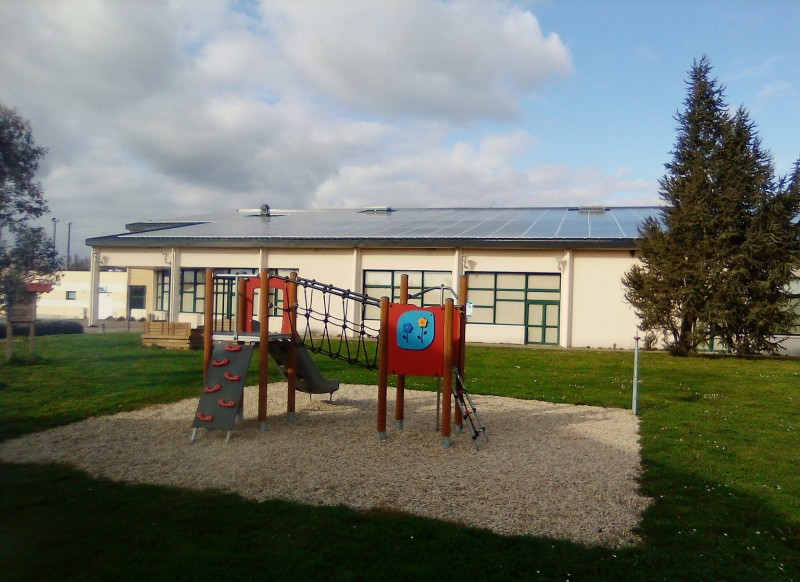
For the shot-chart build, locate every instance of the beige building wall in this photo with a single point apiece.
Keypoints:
(593, 310)
(60, 304)
(601, 316)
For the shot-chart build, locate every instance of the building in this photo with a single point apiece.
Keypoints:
(546, 276)
(120, 293)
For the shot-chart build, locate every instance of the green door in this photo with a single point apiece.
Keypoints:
(541, 323)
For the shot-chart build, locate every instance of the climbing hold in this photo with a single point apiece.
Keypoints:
(232, 377)
(219, 363)
(210, 389)
(205, 417)
(226, 404)
(234, 348)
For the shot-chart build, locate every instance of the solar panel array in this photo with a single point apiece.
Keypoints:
(456, 224)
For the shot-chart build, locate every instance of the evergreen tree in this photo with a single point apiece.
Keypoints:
(717, 262)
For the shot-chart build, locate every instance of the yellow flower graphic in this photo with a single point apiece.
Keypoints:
(422, 322)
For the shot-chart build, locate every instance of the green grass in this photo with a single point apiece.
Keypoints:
(720, 438)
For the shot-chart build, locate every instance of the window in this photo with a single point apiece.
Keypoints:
(794, 293)
(71, 296)
(162, 290)
(193, 290)
(524, 299)
(387, 284)
(137, 296)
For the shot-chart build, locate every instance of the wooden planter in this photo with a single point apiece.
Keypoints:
(172, 336)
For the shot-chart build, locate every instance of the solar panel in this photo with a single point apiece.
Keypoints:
(455, 224)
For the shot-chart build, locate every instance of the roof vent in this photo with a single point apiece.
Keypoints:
(591, 209)
(377, 209)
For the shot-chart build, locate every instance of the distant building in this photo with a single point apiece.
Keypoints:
(120, 293)
(544, 276)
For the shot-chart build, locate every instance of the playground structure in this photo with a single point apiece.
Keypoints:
(286, 317)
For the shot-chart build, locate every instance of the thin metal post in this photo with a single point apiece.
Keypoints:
(635, 399)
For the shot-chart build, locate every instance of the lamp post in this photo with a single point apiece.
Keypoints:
(55, 224)
(69, 236)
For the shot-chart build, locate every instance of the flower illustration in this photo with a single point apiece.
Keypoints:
(407, 329)
(422, 322)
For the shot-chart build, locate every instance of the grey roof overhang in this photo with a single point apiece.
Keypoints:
(372, 242)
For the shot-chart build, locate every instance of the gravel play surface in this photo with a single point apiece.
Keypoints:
(555, 470)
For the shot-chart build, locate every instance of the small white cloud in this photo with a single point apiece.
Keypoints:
(776, 89)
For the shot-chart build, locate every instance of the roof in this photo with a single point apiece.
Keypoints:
(39, 286)
(383, 227)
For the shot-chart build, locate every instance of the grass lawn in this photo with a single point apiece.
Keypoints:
(720, 441)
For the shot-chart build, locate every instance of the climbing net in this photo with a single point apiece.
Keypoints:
(338, 322)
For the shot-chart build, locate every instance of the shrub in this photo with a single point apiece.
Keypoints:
(45, 327)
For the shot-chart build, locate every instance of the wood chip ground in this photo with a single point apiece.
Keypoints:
(561, 471)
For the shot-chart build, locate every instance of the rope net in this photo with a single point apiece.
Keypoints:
(337, 322)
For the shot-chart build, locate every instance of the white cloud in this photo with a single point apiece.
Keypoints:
(776, 89)
(156, 109)
(417, 58)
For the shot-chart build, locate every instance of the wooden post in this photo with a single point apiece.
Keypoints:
(208, 321)
(263, 350)
(9, 338)
(291, 367)
(447, 373)
(383, 367)
(31, 340)
(399, 405)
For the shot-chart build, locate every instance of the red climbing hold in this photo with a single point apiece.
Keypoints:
(205, 417)
(234, 348)
(219, 363)
(226, 404)
(214, 388)
(232, 377)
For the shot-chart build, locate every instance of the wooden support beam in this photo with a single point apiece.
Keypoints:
(447, 392)
(263, 349)
(383, 367)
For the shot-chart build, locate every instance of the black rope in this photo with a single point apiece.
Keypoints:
(318, 312)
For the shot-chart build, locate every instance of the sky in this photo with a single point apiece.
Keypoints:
(168, 108)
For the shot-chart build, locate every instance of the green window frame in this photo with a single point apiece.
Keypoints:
(137, 297)
(386, 283)
(193, 291)
(794, 302)
(162, 290)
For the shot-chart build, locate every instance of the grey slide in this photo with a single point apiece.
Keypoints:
(309, 379)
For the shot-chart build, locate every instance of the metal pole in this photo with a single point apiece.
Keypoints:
(635, 400)
(69, 239)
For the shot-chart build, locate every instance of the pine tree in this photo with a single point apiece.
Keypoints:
(718, 261)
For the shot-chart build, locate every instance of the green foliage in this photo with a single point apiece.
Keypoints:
(717, 436)
(25, 251)
(718, 263)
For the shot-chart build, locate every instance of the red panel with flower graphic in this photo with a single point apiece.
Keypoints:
(416, 340)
